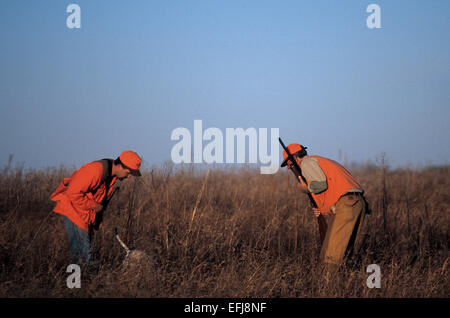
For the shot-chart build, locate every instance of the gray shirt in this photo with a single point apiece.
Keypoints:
(318, 181)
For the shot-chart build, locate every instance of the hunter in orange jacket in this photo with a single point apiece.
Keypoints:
(80, 198)
(77, 197)
(337, 194)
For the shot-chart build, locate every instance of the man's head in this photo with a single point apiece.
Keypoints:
(127, 164)
(297, 150)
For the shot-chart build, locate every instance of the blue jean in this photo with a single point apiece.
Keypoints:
(79, 241)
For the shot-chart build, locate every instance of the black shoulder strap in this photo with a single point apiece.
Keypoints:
(106, 175)
(107, 169)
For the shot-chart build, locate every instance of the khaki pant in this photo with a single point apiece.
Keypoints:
(343, 228)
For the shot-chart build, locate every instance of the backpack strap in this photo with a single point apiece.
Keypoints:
(107, 169)
(106, 175)
(106, 179)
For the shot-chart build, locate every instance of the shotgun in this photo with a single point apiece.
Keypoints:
(298, 173)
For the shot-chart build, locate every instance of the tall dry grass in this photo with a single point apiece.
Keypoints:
(246, 235)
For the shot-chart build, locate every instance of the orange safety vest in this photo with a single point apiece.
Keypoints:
(339, 181)
(78, 195)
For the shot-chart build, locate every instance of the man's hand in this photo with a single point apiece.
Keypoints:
(98, 207)
(317, 212)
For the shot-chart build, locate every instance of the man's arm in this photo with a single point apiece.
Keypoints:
(318, 181)
(83, 181)
(314, 174)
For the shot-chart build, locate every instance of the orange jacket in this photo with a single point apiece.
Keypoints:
(78, 195)
(339, 181)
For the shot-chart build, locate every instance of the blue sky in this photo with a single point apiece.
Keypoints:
(136, 70)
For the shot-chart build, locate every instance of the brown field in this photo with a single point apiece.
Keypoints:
(251, 235)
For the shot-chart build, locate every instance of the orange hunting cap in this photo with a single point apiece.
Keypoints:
(293, 148)
(132, 161)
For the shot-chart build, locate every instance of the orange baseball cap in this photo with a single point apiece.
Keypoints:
(132, 161)
(293, 148)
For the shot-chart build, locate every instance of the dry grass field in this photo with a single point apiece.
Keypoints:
(247, 235)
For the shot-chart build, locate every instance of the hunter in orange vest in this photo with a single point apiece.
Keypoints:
(81, 198)
(336, 193)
